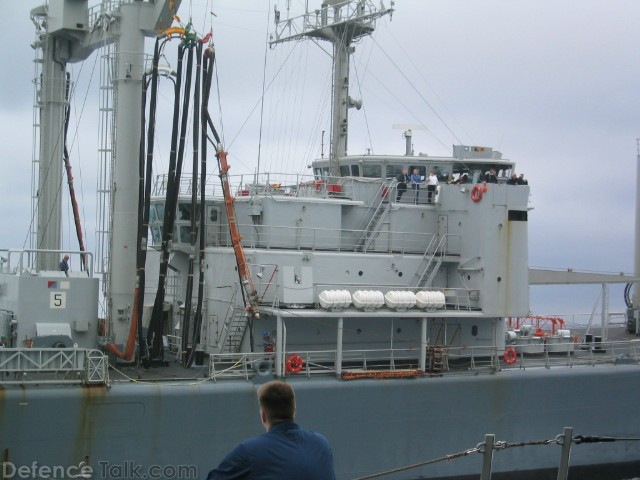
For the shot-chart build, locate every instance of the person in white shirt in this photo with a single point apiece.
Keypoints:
(432, 183)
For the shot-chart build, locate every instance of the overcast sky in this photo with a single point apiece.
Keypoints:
(552, 84)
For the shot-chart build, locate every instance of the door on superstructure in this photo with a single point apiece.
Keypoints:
(213, 225)
(442, 232)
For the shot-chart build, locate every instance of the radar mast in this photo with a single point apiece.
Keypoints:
(339, 22)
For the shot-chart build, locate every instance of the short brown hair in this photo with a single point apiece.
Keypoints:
(277, 401)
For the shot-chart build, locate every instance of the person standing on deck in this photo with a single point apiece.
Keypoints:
(64, 265)
(432, 184)
(285, 452)
(402, 178)
(416, 180)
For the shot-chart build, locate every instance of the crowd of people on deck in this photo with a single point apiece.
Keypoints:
(404, 179)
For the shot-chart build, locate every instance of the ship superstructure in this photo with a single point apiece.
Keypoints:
(386, 308)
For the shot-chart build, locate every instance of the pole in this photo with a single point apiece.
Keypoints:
(339, 347)
(489, 442)
(567, 438)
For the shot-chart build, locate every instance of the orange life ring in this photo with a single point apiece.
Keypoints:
(476, 193)
(294, 364)
(510, 356)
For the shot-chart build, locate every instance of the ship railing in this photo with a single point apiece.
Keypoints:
(282, 184)
(272, 293)
(618, 352)
(339, 240)
(441, 360)
(26, 261)
(53, 365)
(456, 299)
(317, 362)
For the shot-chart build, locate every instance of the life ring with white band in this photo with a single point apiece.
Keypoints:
(510, 356)
(294, 364)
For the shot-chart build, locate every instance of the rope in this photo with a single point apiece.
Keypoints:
(446, 458)
(501, 445)
(578, 439)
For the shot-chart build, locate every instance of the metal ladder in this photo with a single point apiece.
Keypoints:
(235, 327)
(430, 263)
(438, 359)
(371, 231)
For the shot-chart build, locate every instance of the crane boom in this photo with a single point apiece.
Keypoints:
(251, 296)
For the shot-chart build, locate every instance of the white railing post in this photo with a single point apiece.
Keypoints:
(338, 365)
(279, 346)
(423, 345)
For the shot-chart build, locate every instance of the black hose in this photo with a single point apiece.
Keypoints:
(146, 172)
(154, 334)
(627, 296)
(188, 360)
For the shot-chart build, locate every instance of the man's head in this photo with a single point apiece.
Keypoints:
(277, 402)
(66, 257)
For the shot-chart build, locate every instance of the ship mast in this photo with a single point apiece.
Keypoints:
(69, 32)
(339, 22)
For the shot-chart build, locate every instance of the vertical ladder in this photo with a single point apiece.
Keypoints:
(35, 154)
(106, 151)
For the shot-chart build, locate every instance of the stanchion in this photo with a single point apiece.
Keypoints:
(567, 440)
(489, 441)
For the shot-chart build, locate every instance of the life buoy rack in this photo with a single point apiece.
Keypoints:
(510, 356)
(478, 190)
(294, 364)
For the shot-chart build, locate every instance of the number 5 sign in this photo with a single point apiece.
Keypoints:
(58, 300)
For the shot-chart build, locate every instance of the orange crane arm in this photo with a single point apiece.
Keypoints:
(251, 296)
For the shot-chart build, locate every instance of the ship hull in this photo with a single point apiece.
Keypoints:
(184, 428)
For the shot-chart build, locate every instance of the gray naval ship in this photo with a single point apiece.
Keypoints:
(390, 310)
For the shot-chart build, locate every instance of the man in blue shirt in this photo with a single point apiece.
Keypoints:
(285, 452)
(64, 265)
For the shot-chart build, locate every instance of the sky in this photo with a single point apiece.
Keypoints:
(552, 84)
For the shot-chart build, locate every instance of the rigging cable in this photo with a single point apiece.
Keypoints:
(72, 192)
(420, 95)
(264, 79)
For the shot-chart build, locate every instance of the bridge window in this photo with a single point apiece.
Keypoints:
(372, 171)
(393, 170)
